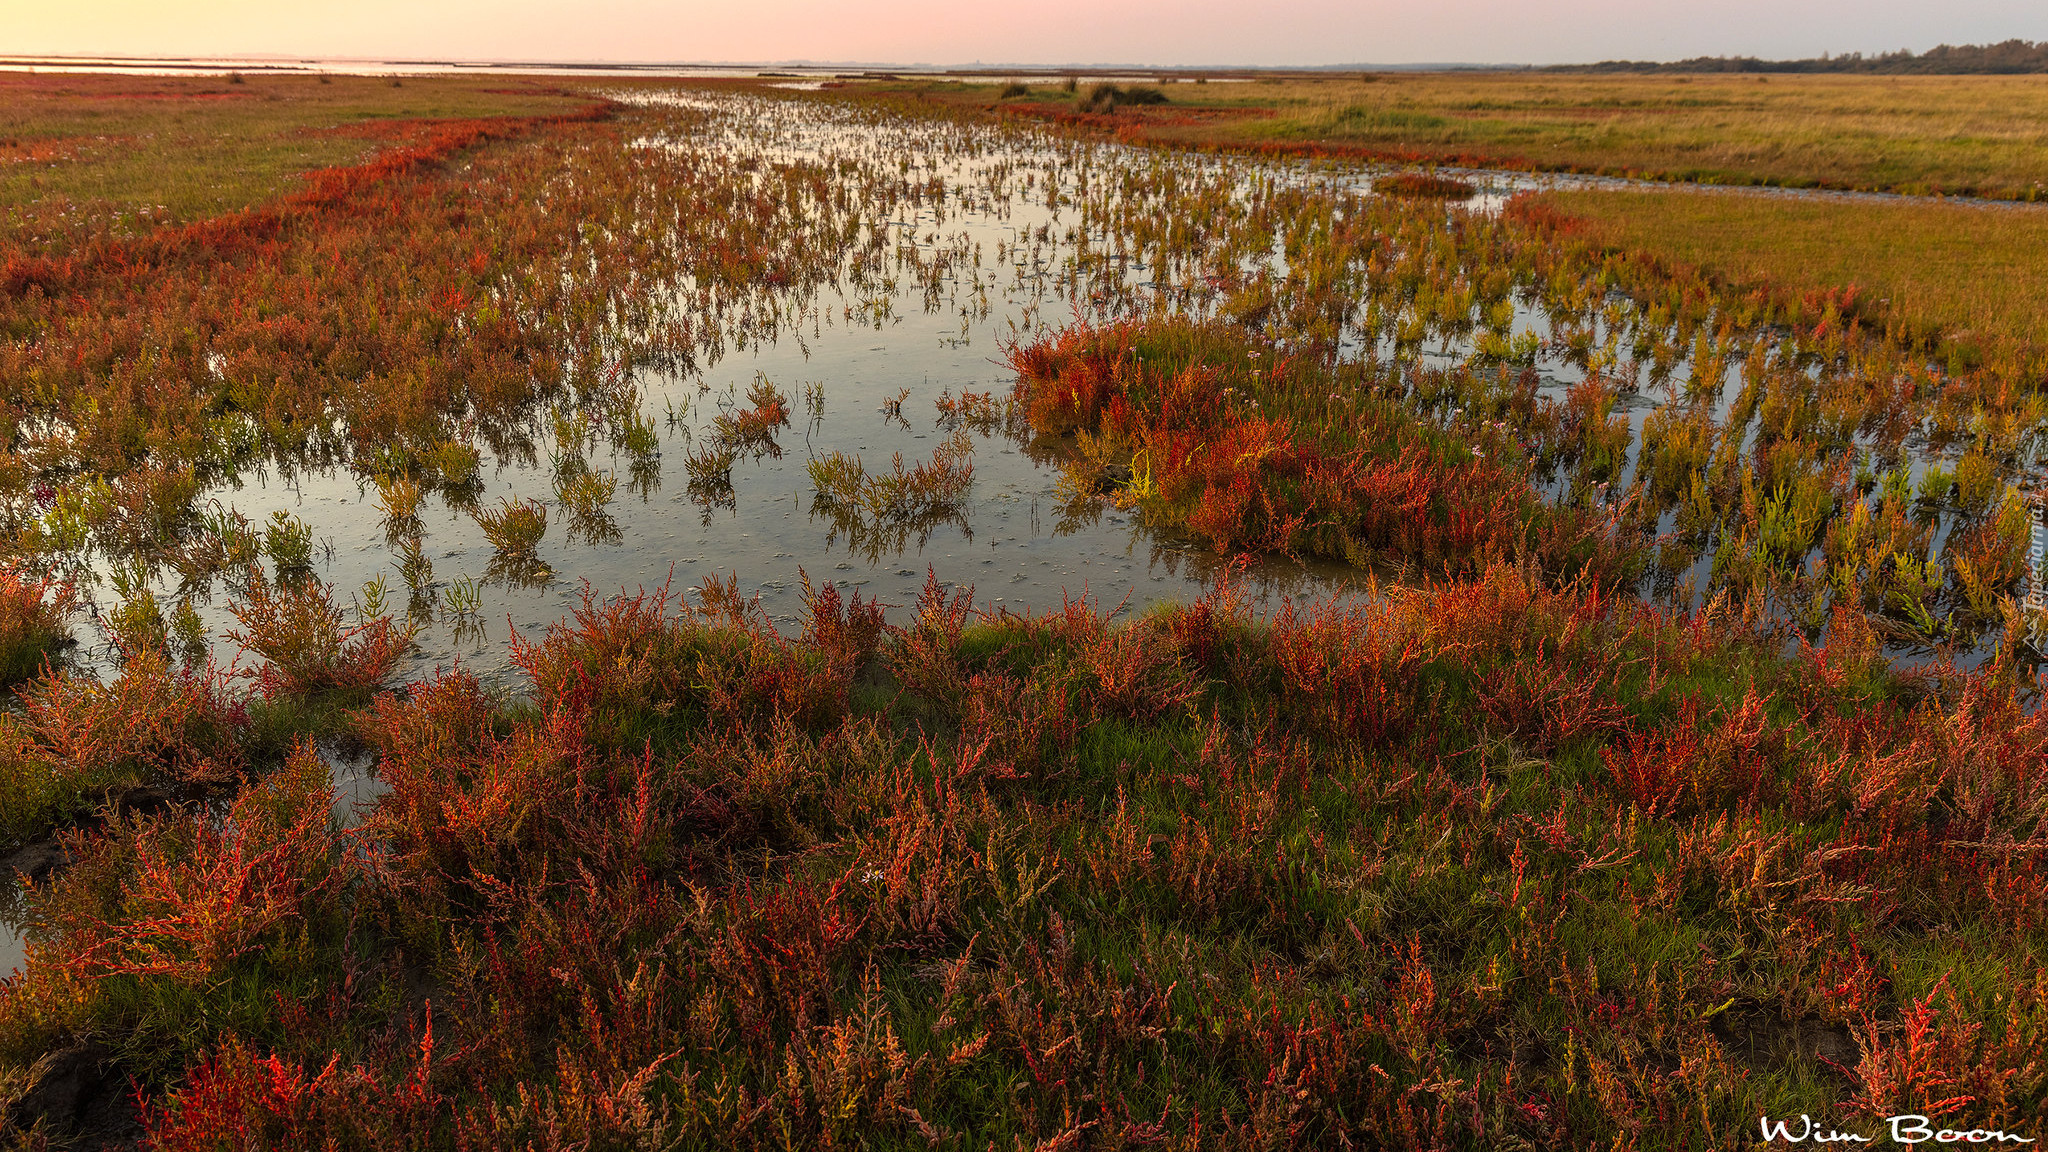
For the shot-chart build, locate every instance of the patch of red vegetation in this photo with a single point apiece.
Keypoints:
(425, 143)
(1336, 481)
(409, 131)
(1540, 214)
(53, 150)
(167, 95)
(605, 850)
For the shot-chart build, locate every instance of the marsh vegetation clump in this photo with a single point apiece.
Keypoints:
(881, 513)
(514, 530)
(979, 412)
(33, 625)
(399, 498)
(709, 466)
(1104, 98)
(587, 493)
(1202, 431)
(288, 541)
(307, 645)
(929, 488)
(76, 745)
(1424, 186)
(752, 430)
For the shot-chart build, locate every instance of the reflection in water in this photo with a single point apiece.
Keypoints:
(518, 572)
(874, 541)
(11, 943)
(594, 528)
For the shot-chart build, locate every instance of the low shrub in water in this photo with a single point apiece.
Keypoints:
(32, 624)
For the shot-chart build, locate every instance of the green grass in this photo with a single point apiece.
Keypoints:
(105, 149)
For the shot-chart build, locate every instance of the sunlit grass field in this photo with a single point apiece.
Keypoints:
(1949, 276)
(1952, 278)
(1982, 135)
(131, 150)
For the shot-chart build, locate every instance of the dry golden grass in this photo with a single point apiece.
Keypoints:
(1985, 135)
(1973, 277)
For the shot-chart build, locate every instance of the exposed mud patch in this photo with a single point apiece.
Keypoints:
(79, 1095)
(1765, 1040)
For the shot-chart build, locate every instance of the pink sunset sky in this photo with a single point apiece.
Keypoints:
(1278, 32)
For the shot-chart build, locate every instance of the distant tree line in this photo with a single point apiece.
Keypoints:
(2011, 56)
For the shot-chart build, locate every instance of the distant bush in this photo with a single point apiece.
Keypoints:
(1108, 97)
(1015, 89)
(2007, 57)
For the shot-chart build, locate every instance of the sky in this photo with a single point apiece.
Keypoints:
(953, 32)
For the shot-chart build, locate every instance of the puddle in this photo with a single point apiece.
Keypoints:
(841, 358)
(352, 775)
(11, 953)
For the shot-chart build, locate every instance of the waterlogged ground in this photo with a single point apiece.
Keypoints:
(945, 288)
(919, 251)
(1506, 858)
(924, 318)
(988, 238)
